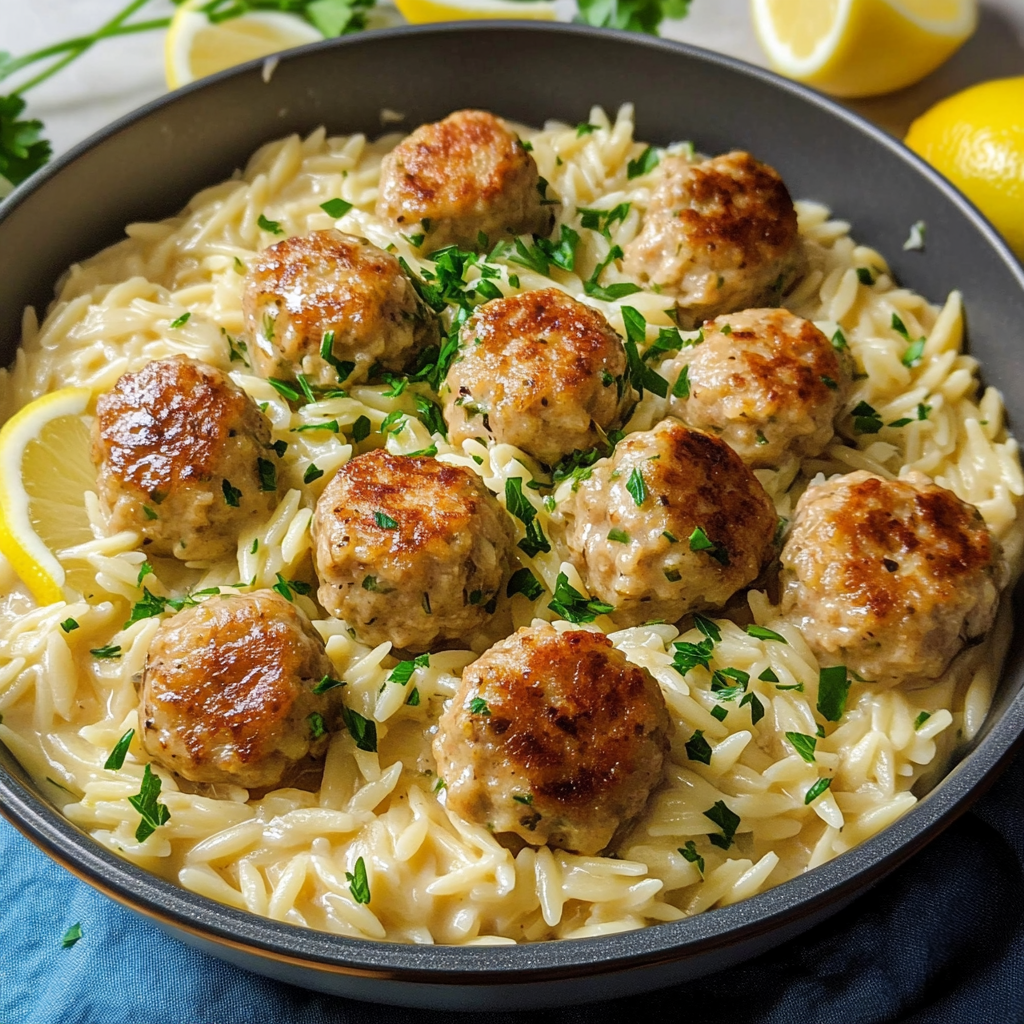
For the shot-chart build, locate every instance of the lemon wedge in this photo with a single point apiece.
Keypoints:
(861, 47)
(976, 139)
(45, 470)
(196, 47)
(419, 12)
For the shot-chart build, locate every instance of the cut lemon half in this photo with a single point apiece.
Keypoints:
(45, 470)
(419, 12)
(861, 47)
(196, 47)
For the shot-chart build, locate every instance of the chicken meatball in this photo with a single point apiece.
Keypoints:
(768, 383)
(538, 370)
(228, 692)
(410, 549)
(184, 458)
(720, 235)
(303, 289)
(672, 522)
(890, 577)
(462, 178)
(555, 737)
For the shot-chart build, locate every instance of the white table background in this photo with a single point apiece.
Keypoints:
(120, 74)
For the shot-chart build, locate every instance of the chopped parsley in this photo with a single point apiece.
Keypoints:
(641, 376)
(689, 655)
(403, 671)
(149, 607)
(361, 429)
(384, 521)
(585, 129)
(116, 759)
(707, 627)
(573, 606)
(272, 226)
(358, 884)
(342, 368)
(71, 936)
(619, 536)
(524, 582)
(803, 744)
(762, 633)
(608, 293)
(769, 676)
(111, 651)
(327, 683)
(362, 730)
(681, 388)
(643, 164)
(636, 487)
(816, 790)
(921, 719)
(719, 712)
(756, 707)
(317, 728)
(154, 814)
(336, 208)
(689, 853)
(523, 798)
(478, 706)
(149, 513)
(829, 382)
(232, 495)
(68, 625)
(430, 414)
(285, 587)
(865, 276)
(698, 748)
(833, 687)
(914, 353)
(699, 541)
(522, 508)
(866, 419)
(726, 820)
(413, 699)
(268, 474)
(284, 389)
(839, 342)
(181, 320)
(313, 472)
(602, 220)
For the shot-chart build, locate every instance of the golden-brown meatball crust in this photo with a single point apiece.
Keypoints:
(538, 370)
(173, 443)
(457, 178)
(889, 577)
(766, 382)
(303, 287)
(227, 692)
(434, 574)
(555, 737)
(719, 236)
(632, 526)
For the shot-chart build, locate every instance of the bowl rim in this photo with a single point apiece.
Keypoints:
(767, 912)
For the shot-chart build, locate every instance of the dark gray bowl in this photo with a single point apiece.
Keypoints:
(148, 165)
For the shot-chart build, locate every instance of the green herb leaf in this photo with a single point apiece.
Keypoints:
(602, 220)
(921, 719)
(478, 706)
(384, 521)
(112, 651)
(317, 727)
(612, 292)
(284, 389)
(521, 507)
(572, 606)
(403, 671)
(816, 790)
(149, 513)
(116, 759)
(154, 814)
(524, 582)
(68, 625)
(803, 744)
(232, 495)
(707, 627)
(71, 936)
(430, 415)
(362, 730)
(180, 321)
(719, 712)
(269, 225)
(268, 475)
(643, 164)
(866, 419)
(833, 687)
(762, 633)
(688, 656)
(698, 748)
(361, 429)
(689, 852)
(726, 820)
(769, 676)
(585, 129)
(23, 150)
(523, 798)
(699, 541)
(413, 699)
(839, 342)
(914, 353)
(636, 487)
(358, 884)
(619, 536)
(313, 472)
(327, 683)
(865, 276)
(336, 208)
(756, 707)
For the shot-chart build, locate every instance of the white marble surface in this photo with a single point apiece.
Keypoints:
(123, 73)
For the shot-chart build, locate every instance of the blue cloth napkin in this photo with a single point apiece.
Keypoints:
(942, 940)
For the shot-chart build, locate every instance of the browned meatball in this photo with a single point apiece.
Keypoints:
(555, 737)
(672, 522)
(227, 692)
(183, 458)
(410, 549)
(456, 179)
(720, 235)
(889, 577)
(303, 288)
(768, 383)
(538, 370)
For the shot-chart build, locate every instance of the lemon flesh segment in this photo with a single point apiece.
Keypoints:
(45, 470)
(420, 12)
(976, 139)
(861, 47)
(196, 47)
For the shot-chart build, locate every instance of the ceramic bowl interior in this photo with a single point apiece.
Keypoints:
(148, 165)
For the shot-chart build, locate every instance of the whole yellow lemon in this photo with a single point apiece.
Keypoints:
(976, 139)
